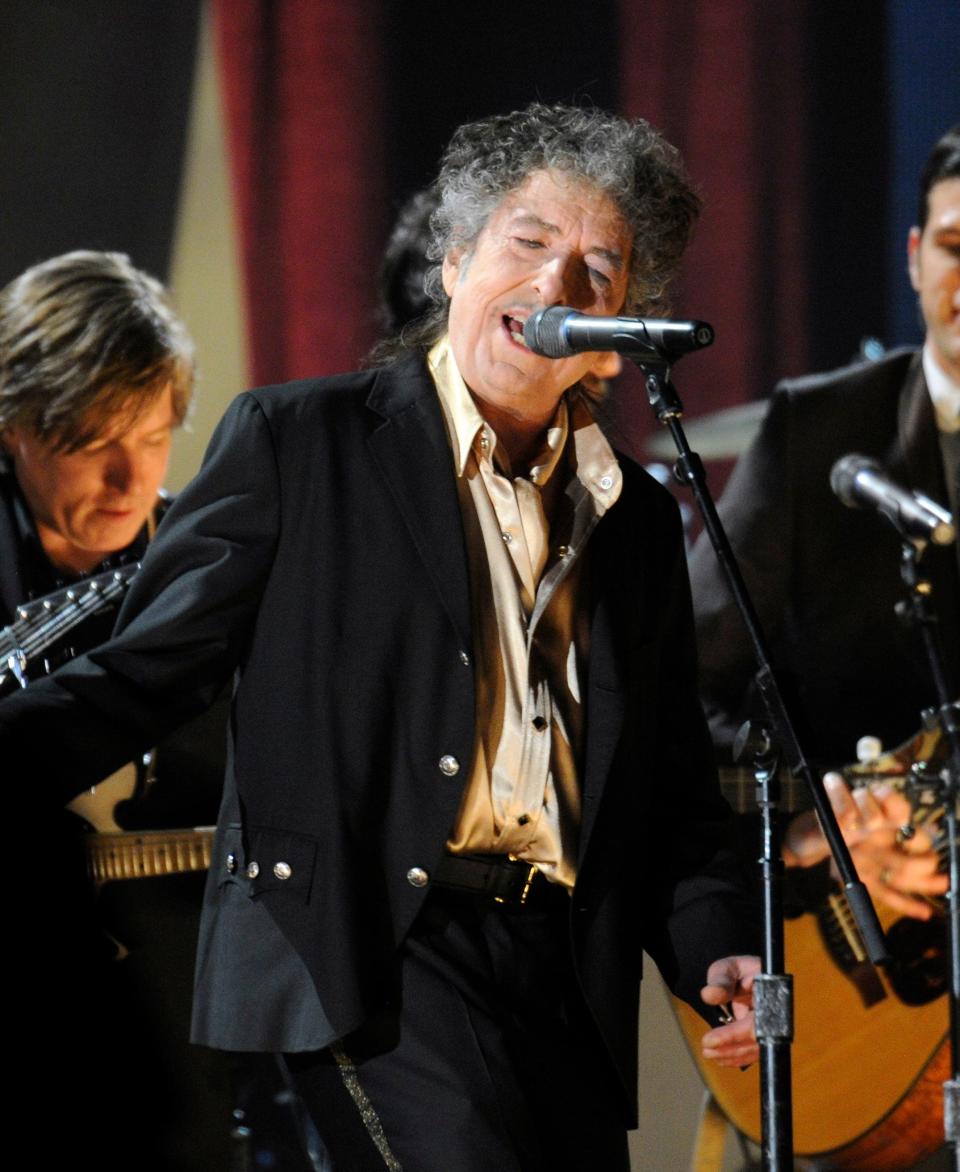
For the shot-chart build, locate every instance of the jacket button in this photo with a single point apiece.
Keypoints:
(231, 864)
(282, 870)
(449, 765)
(465, 658)
(417, 877)
(253, 870)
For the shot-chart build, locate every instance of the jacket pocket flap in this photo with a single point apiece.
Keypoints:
(270, 860)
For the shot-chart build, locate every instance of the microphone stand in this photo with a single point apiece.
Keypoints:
(773, 1000)
(918, 610)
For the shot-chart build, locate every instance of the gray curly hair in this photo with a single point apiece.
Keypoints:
(627, 160)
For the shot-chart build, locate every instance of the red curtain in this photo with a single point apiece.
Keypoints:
(303, 107)
(724, 81)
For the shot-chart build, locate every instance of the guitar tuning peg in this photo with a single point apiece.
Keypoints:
(869, 749)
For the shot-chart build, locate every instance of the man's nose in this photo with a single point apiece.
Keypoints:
(562, 280)
(122, 471)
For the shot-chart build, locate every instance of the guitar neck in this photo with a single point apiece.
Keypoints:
(147, 853)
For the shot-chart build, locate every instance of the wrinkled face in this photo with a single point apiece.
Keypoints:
(934, 257)
(93, 502)
(553, 241)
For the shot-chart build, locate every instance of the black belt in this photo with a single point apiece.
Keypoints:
(510, 883)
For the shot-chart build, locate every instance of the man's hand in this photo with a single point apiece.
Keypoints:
(730, 984)
(895, 870)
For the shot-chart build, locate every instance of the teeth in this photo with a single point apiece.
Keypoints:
(516, 330)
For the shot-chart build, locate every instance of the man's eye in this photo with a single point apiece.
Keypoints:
(524, 242)
(600, 278)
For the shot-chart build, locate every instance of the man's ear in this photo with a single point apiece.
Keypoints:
(607, 364)
(913, 257)
(451, 270)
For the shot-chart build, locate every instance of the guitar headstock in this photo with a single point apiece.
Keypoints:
(43, 622)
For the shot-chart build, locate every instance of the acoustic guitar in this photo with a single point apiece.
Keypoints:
(870, 1053)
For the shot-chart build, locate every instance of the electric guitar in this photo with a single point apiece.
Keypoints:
(112, 852)
(870, 1052)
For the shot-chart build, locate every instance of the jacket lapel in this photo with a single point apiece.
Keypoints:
(917, 462)
(614, 600)
(916, 455)
(411, 449)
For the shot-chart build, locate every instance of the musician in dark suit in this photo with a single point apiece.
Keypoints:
(826, 578)
(468, 777)
(96, 371)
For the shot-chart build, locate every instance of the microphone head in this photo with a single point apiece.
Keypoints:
(843, 477)
(543, 332)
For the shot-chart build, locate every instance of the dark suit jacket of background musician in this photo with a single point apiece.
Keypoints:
(825, 578)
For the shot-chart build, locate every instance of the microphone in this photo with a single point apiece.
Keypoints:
(861, 483)
(559, 332)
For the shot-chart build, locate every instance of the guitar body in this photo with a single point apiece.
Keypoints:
(866, 1080)
(870, 1050)
(98, 805)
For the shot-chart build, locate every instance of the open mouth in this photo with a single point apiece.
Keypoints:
(514, 327)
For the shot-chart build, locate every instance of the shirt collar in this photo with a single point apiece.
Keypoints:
(595, 464)
(944, 393)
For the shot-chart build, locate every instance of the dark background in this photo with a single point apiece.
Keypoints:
(804, 123)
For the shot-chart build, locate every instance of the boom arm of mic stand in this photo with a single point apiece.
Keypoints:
(689, 468)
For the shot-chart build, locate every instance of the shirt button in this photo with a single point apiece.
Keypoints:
(449, 765)
(539, 723)
(606, 483)
(417, 877)
(253, 870)
(562, 551)
(282, 870)
(464, 658)
(523, 819)
(507, 537)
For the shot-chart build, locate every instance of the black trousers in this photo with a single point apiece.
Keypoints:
(489, 1065)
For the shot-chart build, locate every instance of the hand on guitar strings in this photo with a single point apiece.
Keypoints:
(730, 987)
(901, 871)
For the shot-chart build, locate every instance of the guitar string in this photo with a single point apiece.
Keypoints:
(32, 634)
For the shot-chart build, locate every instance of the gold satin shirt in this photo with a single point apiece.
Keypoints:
(525, 537)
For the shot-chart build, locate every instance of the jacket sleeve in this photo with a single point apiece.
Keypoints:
(181, 630)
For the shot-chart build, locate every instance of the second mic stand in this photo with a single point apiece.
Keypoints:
(919, 612)
(772, 997)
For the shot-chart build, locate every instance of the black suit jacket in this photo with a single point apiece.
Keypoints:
(825, 578)
(320, 553)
